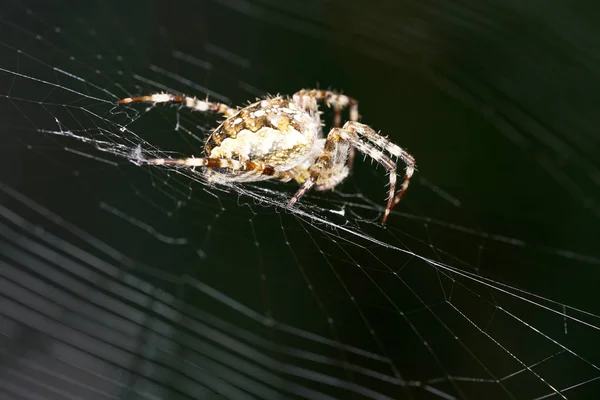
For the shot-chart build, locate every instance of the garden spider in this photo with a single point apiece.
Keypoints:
(281, 138)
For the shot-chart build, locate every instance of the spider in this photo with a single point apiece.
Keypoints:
(281, 138)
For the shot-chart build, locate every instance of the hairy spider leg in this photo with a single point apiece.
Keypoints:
(395, 150)
(325, 163)
(333, 99)
(235, 165)
(339, 102)
(188, 102)
(337, 123)
(253, 169)
(326, 160)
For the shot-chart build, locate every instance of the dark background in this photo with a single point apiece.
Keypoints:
(497, 102)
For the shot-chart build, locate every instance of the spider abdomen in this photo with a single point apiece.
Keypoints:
(273, 131)
(271, 146)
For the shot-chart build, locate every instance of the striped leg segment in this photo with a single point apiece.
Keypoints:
(333, 99)
(250, 166)
(384, 144)
(374, 146)
(189, 102)
(339, 102)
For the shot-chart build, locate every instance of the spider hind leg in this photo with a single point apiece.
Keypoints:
(251, 170)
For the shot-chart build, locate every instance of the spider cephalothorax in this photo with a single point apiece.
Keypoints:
(281, 138)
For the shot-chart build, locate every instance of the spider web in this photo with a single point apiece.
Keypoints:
(123, 280)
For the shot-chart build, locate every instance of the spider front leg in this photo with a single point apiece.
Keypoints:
(339, 102)
(383, 143)
(351, 134)
(188, 102)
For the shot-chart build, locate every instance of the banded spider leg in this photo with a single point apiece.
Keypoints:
(367, 141)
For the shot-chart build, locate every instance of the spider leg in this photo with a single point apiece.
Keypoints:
(254, 168)
(189, 102)
(353, 117)
(334, 99)
(303, 189)
(339, 102)
(328, 169)
(325, 171)
(383, 143)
